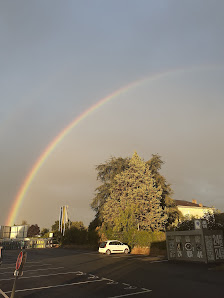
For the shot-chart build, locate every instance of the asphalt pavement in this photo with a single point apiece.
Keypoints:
(59, 272)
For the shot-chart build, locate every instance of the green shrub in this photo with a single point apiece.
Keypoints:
(145, 238)
(93, 238)
(75, 236)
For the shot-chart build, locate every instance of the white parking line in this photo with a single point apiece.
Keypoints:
(3, 294)
(54, 268)
(42, 275)
(159, 261)
(14, 267)
(33, 262)
(130, 294)
(57, 286)
(35, 270)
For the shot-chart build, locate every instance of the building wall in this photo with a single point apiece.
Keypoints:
(14, 232)
(197, 212)
(18, 232)
(5, 232)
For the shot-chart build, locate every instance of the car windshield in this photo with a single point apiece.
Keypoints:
(102, 244)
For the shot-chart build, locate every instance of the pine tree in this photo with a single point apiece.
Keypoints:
(167, 202)
(106, 174)
(134, 200)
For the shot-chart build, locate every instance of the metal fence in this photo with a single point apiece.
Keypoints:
(8, 244)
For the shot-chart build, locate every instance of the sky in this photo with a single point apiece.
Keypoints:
(59, 58)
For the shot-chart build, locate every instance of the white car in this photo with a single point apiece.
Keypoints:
(113, 246)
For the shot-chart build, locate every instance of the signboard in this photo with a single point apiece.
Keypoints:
(197, 224)
(214, 246)
(195, 245)
(188, 246)
(19, 260)
(204, 224)
(200, 224)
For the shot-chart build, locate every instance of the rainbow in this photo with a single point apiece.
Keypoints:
(49, 149)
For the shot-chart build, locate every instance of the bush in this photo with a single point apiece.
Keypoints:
(145, 238)
(93, 238)
(75, 236)
(214, 221)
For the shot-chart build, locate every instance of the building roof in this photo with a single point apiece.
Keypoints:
(188, 204)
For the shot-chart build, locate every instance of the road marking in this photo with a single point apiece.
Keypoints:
(33, 262)
(129, 287)
(35, 270)
(42, 275)
(57, 286)
(81, 273)
(3, 294)
(38, 265)
(91, 276)
(131, 294)
(55, 268)
(111, 281)
(13, 267)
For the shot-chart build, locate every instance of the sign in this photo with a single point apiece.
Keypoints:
(204, 224)
(19, 260)
(197, 224)
(188, 246)
(218, 247)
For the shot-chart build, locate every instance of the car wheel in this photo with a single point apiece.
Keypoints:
(108, 252)
(126, 251)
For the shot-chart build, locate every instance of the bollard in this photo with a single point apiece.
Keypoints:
(1, 254)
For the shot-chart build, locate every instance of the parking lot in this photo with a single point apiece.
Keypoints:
(72, 273)
(48, 280)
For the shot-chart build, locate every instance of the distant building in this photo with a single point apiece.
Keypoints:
(19, 232)
(14, 232)
(5, 232)
(193, 209)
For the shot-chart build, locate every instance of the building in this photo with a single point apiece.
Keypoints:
(18, 232)
(14, 232)
(193, 209)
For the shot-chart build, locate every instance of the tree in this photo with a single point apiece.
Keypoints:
(79, 225)
(106, 174)
(24, 222)
(167, 203)
(57, 234)
(215, 221)
(55, 226)
(114, 166)
(75, 235)
(44, 232)
(134, 200)
(33, 231)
